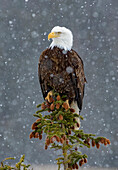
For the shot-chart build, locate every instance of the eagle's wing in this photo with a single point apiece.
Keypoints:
(41, 81)
(42, 74)
(44, 87)
(78, 78)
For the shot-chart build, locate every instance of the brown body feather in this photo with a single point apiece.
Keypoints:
(62, 71)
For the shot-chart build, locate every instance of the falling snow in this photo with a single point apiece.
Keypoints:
(24, 29)
(69, 69)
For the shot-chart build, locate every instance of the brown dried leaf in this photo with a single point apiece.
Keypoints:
(36, 135)
(43, 106)
(60, 117)
(66, 106)
(97, 145)
(31, 135)
(57, 106)
(58, 97)
(93, 142)
(52, 106)
(34, 126)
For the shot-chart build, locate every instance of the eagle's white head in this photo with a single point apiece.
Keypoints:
(61, 37)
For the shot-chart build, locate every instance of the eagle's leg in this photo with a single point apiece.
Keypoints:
(49, 95)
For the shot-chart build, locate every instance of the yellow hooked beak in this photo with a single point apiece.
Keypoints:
(53, 35)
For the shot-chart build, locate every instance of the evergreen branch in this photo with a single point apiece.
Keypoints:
(59, 126)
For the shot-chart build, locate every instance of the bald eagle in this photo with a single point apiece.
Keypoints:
(61, 68)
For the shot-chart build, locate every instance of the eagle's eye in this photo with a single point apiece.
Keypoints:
(59, 32)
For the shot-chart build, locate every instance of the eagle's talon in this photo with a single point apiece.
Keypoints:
(67, 101)
(49, 95)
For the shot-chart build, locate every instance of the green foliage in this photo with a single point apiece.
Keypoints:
(62, 133)
(59, 126)
(18, 166)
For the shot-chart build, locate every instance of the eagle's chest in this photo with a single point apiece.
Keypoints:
(56, 71)
(56, 64)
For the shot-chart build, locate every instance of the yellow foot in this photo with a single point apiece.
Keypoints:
(49, 95)
(67, 101)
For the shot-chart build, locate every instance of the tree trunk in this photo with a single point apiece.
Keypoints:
(65, 152)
